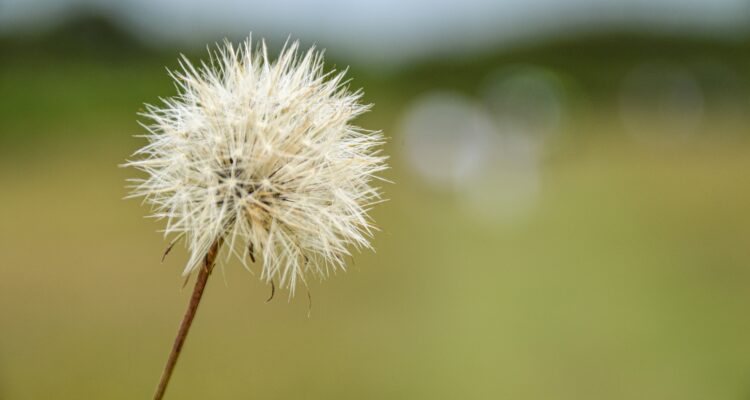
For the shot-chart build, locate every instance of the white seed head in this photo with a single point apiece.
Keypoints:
(262, 155)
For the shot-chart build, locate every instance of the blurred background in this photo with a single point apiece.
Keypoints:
(569, 217)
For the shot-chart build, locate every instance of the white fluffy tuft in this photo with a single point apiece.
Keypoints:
(262, 155)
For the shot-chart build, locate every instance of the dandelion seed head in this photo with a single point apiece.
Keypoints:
(262, 155)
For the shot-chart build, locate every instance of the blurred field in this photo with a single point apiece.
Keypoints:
(629, 278)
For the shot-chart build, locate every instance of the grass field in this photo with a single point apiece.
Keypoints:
(629, 278)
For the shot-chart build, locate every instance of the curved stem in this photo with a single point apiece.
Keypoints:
(187, 320)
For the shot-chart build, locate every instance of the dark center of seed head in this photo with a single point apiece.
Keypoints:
(243, 185)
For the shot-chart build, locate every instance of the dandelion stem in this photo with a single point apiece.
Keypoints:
(187, 320)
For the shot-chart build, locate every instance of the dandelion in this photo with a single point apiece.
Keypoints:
(258, 160)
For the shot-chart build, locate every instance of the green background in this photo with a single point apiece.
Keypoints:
(629, 279)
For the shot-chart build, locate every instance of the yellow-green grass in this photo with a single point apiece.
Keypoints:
(629, 279)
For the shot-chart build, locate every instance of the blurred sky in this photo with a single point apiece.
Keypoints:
(390, 31)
